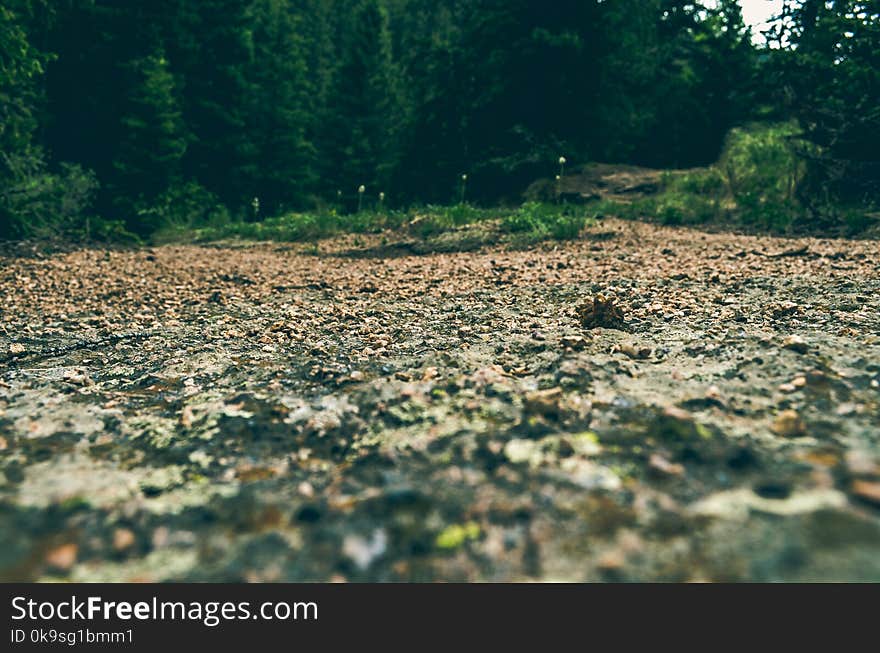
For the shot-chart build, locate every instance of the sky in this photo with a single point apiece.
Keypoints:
(757, 12)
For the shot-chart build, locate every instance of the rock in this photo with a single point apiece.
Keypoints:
(161, 479)
(788, 424)
(543, 402)
(186, 417)
(522, 451)
(867, 491)
(77, 378)
(161, 537)
(796, 343)
(738, 503)
(574, 342)
(862, 463)
(589, 475)
(362, 551)
(612, 560)
(430, 373)
(63, 557)
(676, 423)
(16, 348)
(600, 311)
(847, 408)
(784, 309)
(123, 539)
(660, 464)
(638, 353)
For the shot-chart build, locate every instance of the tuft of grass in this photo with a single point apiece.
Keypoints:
(434, 220)
(535, 221)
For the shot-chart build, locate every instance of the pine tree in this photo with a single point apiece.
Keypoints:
(217, 94)
(435, 152)
(315, 26)
(278, 117)
(360, 143)
(148, 161)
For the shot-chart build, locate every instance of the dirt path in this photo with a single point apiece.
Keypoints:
(276, 413)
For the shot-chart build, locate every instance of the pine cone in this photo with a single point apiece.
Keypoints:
(600, 311)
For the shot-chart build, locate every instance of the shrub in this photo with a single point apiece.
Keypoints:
(181, 207)
(36, 203)
(756, 183)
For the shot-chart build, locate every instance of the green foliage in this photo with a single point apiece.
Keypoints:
(152, 146)
(180, 107)
(437, 87)
(762, 172)
(537, 221)
(35, 203)
(182, 207)
(828, 67)
(434, 219)
(753, 184)
(698, 62)
(762, 162)
(222, 154)
(291, 227)
(530, 223)
(20, 66)
(757, 183)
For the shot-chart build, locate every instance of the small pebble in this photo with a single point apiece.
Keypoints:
(62, 557)
(123, 539)
(796, 343)
(788, 424)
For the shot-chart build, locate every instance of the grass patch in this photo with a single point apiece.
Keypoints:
(536, 221)
(291, 227)
(532, 222)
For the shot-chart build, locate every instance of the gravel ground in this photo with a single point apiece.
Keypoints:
(359, 411)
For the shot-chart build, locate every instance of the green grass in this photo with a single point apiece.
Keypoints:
(291, 227)
(532, 222)
(536, 221)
